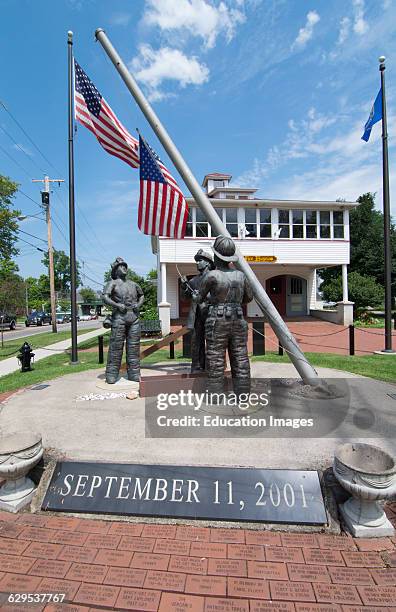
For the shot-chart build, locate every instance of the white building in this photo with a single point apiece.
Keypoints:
(285, 241)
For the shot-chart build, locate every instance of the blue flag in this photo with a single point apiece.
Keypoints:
(375, 115)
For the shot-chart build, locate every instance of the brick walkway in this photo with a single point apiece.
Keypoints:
(110, 565)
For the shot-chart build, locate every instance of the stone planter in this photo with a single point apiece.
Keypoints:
(369, 474)
(19, 453)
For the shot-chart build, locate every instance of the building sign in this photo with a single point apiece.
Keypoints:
(260, 258)
(274, 496)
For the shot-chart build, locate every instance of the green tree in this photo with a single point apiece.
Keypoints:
(12, 294)
(62, 271)
(88, 295)
(38, 292)
(8, 224)
(363, 290)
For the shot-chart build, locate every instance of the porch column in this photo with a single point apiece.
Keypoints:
(164, 306)
(345, 283)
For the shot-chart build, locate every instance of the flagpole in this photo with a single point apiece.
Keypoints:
(300, 362)
(387, 217)
(72, 227)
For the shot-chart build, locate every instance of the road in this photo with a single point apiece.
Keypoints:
(22, 331)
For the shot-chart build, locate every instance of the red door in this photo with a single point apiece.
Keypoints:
(276, 289)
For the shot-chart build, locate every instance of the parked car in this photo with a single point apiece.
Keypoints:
(7, 321)
(85, 317)
(38, 317)
(63, 317)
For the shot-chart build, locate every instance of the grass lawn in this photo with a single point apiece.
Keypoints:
(11, 347)
(375, 366)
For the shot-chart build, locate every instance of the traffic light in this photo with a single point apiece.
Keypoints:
(45, 198)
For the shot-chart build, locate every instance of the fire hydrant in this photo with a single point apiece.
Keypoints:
(25, 357)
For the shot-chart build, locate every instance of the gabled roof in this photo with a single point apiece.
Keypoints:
(216, 176)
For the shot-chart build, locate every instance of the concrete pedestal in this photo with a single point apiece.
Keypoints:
(164, 316)
(366, 519)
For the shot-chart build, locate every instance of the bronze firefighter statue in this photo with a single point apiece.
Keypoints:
(225, 326)
(198, 312)
(125, 297)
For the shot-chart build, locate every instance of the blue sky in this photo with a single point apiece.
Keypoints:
(274, 92)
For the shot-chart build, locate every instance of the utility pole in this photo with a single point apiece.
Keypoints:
(45, 199)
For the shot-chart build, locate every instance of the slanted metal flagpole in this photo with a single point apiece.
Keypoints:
(300, 362)
(72, 226)
(387, 219)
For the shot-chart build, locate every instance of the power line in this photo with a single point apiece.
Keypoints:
(15, 161)
(32, 235)
(33, 245)
(30, 157)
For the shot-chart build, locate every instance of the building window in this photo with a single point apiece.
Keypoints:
(231, 221)
(251, 222)
(201, 225)
(298, 223)
(284, 223)
(311, 224)
(189, 224)
(265, 223)
(219, 184)
(325, 224)
(338, 223)
(296, 285)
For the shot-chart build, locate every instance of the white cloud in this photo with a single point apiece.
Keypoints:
(197, 17)
(305, 33)
(345, 26)
(360, 26)
(153, 67)
(20, 147)
(120, 19)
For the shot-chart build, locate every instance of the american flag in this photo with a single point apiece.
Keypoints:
(163, 210)
(92, 110)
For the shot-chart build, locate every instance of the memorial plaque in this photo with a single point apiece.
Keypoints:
(231, 494)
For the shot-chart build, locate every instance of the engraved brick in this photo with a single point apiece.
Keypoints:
(42, 550)
(207, 549)
(97, 594)
(271, 606)
(57, 585)
(193, 534)
(374, 544)
(62, 523)
(128, 529)
(278, 553)
(336, 593)
(291, 591)
(18, 607)
(248, 587)
(318, 607)
(7, 517)
(50, 569)
(34, 520)
(99, 540)
(362, 559)
(78, 554)
(206, 585)
(72, 538)
(307, 540)
(317, 556)
(172, 547)
(188, 565)
(267, 570)
(246, 551)
(15, 565)
(93, 526)
(8, 546)
(150, 561)
(125, 576)
(308, 573)
(19, 583)
(166, 581)
(87, 572)
(264, 538)
(159, 531)
(173, 601)
(218, 604)
(37, 534)
(336, 542)
(119, 558)
(350, 575)
(227, 567)
(384, 575)
(10, 530)
(231, 536)
(138, 599)
(66, 608)
(136, 544)
(378, 595)
(390, 558)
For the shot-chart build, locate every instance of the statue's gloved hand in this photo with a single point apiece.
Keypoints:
(122, 308)
(183, 280)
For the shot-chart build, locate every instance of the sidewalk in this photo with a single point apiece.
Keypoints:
(7, 366)
(119, 565)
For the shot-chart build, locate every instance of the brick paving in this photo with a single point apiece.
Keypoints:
(109, 565)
